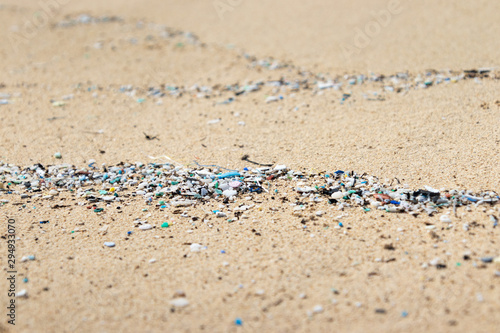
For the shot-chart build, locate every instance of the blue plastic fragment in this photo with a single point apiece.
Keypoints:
(238, 321)
(254, 188)
(487, 259)
(338, 172)
(115, 180)
(229, 175)
(394, 202)
(227, 101)
(470, 198)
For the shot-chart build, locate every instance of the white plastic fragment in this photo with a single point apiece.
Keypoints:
(195, 247)
(337, 195)
(182, 203)
(445, 219)
(180, 302)
(318, 309)
(26, 258)
(229, 193)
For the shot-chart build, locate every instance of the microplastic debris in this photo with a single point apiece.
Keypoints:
(180, 302)
(445, 219)
(318, 309)
(195, 247)
(26, 258)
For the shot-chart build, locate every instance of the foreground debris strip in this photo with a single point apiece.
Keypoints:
(167, 185)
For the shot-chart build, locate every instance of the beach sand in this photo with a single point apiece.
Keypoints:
(274, 272)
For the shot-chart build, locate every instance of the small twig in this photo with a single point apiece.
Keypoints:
(245, 158)
(213, 166)
(150, 137)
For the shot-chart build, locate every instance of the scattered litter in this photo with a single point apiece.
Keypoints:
(172, 188)
(179, 186)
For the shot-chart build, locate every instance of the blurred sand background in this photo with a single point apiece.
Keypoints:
(444, 136)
